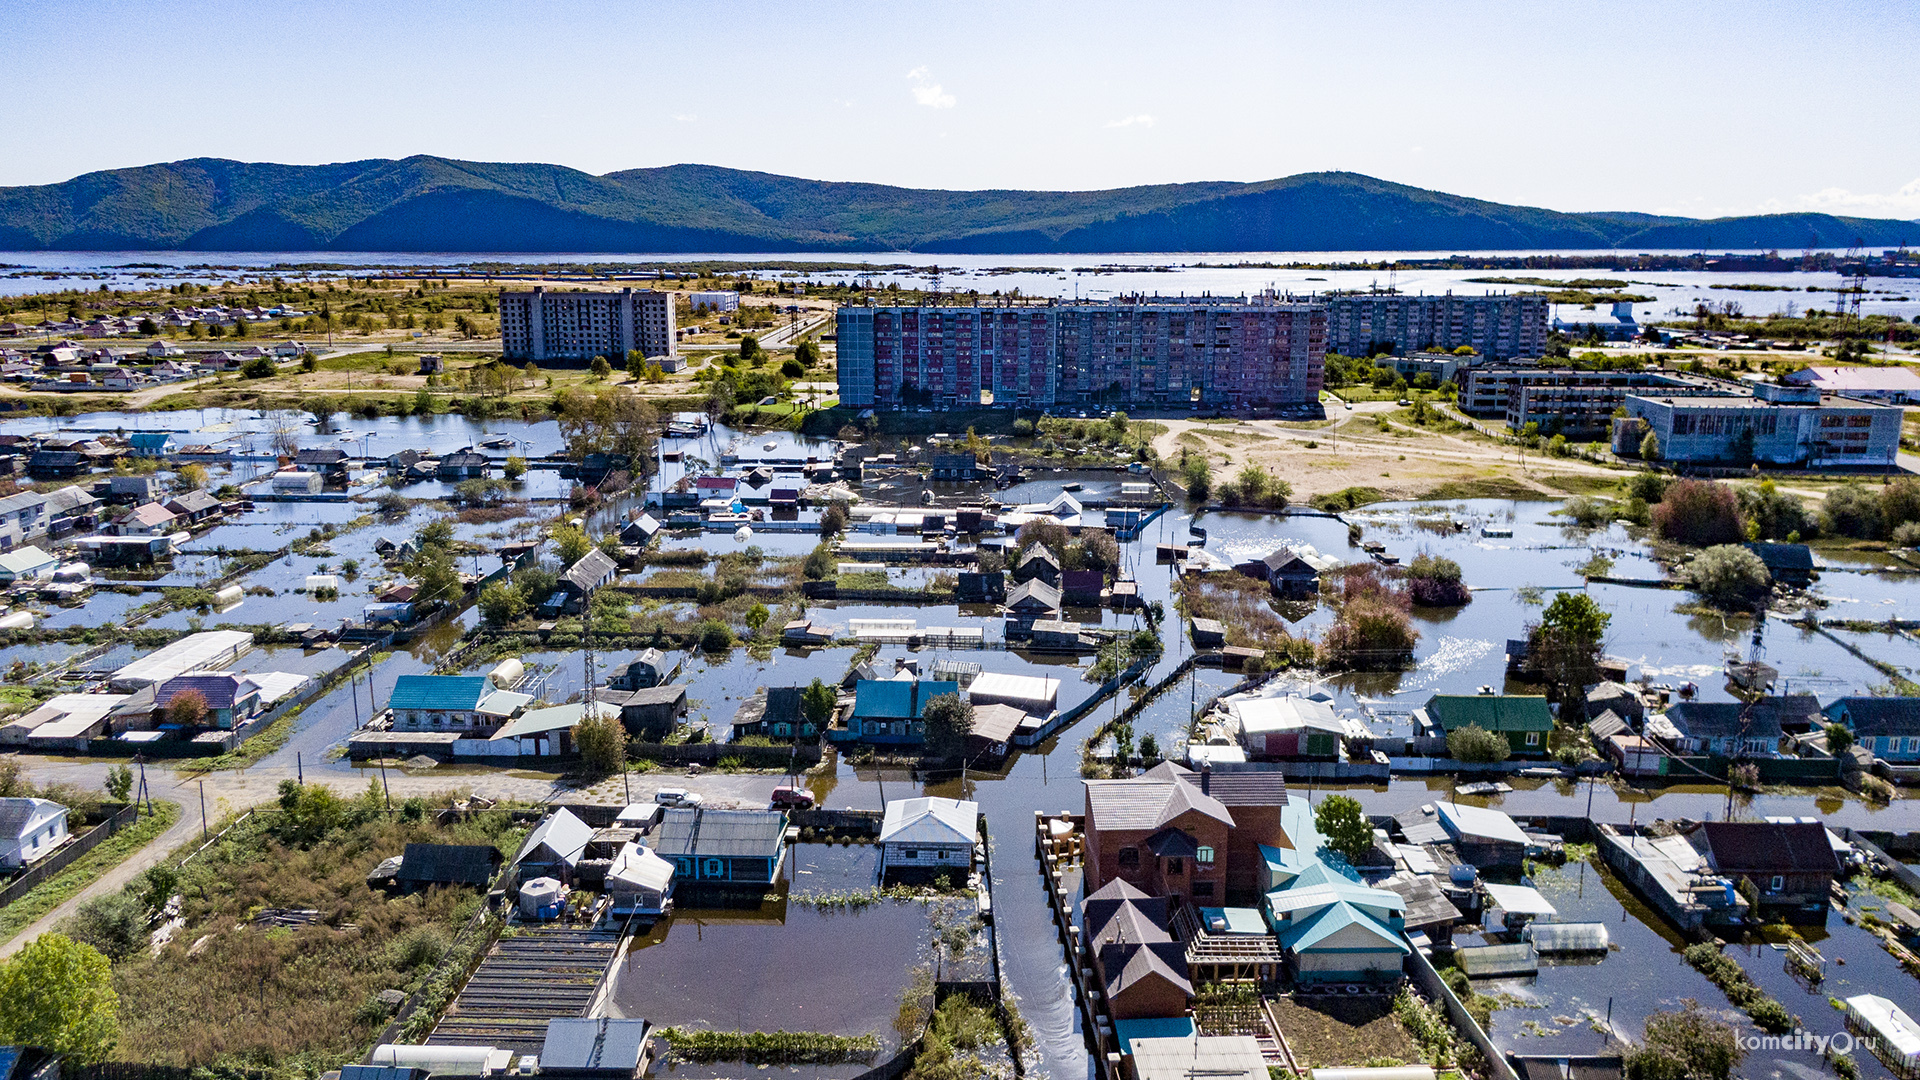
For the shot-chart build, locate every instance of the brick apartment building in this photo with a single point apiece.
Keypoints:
(544, 326)
(1183, 835)
(1240, 355)
(1499, 326)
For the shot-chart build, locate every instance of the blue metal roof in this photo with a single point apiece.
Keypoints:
(438, 692)
(1171, 1027)
(883, 699)
(149, 440)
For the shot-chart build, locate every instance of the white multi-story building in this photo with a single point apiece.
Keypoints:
(541, 326)
(715, 300)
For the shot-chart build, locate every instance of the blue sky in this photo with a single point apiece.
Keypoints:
(1686, 108)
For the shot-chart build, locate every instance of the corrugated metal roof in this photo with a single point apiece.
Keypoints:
(1464, 820)
(703, 832)
(1519, 899)
(1199, 1057)
(930, 820)
(438, 692)
(604, 1045)
(883, 699)
(1510, 712)
(447, 864)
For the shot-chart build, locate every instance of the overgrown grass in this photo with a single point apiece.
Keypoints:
(1244, 606)
(301, 1000)
(85, 870)
(1726, 973)
(770, 1047)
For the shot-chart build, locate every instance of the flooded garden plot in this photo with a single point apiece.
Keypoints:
(786, 964)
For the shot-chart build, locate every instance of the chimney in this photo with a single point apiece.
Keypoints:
(1206, 778)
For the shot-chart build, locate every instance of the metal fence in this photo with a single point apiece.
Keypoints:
(61, 859)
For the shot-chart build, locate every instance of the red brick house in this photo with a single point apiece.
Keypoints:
(1142, 969)
(1174, 833)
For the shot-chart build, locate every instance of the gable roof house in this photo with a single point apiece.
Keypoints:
(929, 833)
(57, 464)
(890, 710)
(1142, 969)
(1483, 837)
(1170, 832)
(230, 698)
(651, 668)
(1522, 719)
(649, 714)
(554, 848)
(1288, 726)
(594, 569)
(465, 465)
(640, 882)
(147, 519)
(1038, 562)
(1289, 571)
(1784, 867)
(329, 461)
(193, 506)
(460, 703)
(424, 865)
(23, 518)
(1886, 727)
(1789, 564)
(1081, 588)
(26, 563)
(152, 443)
(29, 830)
(775, 714)
(743, 848)
(1731, 729)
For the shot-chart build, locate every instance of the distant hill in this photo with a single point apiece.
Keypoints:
(428, 204)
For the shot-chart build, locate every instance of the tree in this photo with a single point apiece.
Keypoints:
(190, 477)
(750, 348)
(819, 563)
(602, 741)
(501, 603)
(1563, 648)
(715, 636)
(1853, 509)
(1149, 747)
(833, 520)
(434, 575)
(1436, 582)
(817, 703)
(187, 708)
(1477, 745)
(1728, 575)
(1339, 819)
(115, 923)
(57, 994)
(1839, 739)
(262, 367)
(949, 720)
(119, 783)
(1699, 512)
(574, 543)
(1691, 1044)
(636, 365)
(807, 353)
(1650, 447)
(599, 370)
(757, 617)
(514, 468)
(1198, 476)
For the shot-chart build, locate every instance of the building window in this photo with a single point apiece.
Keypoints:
(1204, 856)
(715, 868)
(910, 853)
(1777, 883)
(1129, 858)
(1176, 867)
(1202, 888)
(1533, 738)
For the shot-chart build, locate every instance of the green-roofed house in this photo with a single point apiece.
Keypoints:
(1523, 719)
(464, 704)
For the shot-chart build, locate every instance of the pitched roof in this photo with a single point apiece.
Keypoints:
(1127, 965)
(783, 704)
(1128, 915)
(1236, 787)
(703, 832)
(453, 693)
(1507, 712)
(18, 813)
(151, 515)
(1784, 556)
(220, 688)
(897, 699)
(996, 723)
(1871, 717)
(71, 497)
(930, 820)
(192, 502)
(149, 440)
(1035, 593)
(25, 560)
(561, 833)
(1461, 819)
(1142, 804)
(1171, 843)
(1767, 847)
(448, 864)
(1713, 719)
(320, 455)
(1304, 935)
(1608, 723)
(640, 866)
(592, 571)
(1039, 553)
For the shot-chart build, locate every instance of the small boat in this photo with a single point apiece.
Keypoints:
(770, 444)
(1484, 787)
(498, 442)
(1071, 485)
(1497, 532)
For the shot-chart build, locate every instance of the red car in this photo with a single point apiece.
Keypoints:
(792, 798)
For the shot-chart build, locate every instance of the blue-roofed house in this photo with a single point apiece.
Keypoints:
(152, 444)
(1331, 927)
(456, 703)
(889, 711)
(1887, 727)
(723, 847)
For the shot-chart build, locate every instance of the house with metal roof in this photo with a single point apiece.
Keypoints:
(1285, 726)
(1886, 727)
(889, 711)
(651, 668)
(469, 704)
(595, 1049)
(1330, 926)
(648, 714)
(1192, 1056)
(152, 443)
(554, 847)
(594, 569)
(30, 829)
(1733, 729)
(1522, 719)
(1037, 562)
(1481, 836)
(193, 506)
(1207, 633)
(1142, 969)
(640, 882)
(743, 848)
(929, 833)
(26, 563)
(468, 464)
(538, 732)
(1783, 867)
(330, 462)
(1788, 564)
(147, 519)
(230, 699)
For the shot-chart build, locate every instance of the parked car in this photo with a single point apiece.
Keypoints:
(677, 797)
(792, 798)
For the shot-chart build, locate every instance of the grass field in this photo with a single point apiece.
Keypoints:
(85, 870)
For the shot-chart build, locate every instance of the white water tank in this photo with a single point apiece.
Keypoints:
(507, 673)
(232, 594)
(479, 1061)
(73, 571)
(742, 534)
(19, 620)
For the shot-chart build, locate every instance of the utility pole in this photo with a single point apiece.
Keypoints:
(203, 809)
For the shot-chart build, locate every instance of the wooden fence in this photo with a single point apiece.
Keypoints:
(61, 859)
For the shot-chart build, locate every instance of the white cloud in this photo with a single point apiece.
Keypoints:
(1904, 203)
(685, 118)
(929, 93)
(1141, 120)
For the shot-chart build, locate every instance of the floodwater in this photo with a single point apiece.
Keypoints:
(849, 966)
(1090, 276)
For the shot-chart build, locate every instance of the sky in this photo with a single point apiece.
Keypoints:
(1701, 109)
